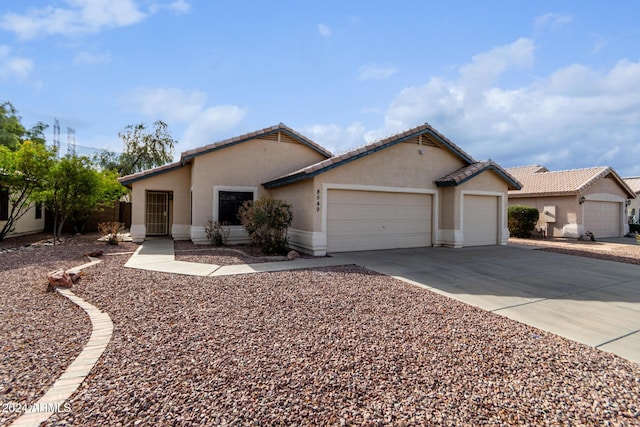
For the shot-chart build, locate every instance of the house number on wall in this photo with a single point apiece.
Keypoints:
(318, 200)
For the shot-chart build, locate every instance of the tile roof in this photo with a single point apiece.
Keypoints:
(281, 127)
(128, 179)
(633, 182)
(190, 154)
(433, 136)
(466, 173)
(557, 183)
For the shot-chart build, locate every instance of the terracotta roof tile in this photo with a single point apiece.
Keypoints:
(573, 181)
(467, 172)
(280, 127)
(634, 183)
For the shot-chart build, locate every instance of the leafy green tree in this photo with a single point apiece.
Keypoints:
(13, 132)
(24, 172)
(144, 148)
(76, 189)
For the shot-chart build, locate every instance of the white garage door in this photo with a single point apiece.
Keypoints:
(480, 220)
(602, 218)
(368, 220)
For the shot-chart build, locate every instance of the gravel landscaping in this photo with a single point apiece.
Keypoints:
(41, 332)
(328, 346)
(223, 255)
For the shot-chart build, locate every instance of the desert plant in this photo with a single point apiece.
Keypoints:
(522, 220)
(267, 220)
(111, 229)
(217, 233)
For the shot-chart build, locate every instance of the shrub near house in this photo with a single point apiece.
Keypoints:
(522, 220)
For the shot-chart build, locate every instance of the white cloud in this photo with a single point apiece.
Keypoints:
(203, 123)
(324, 30)
(169, 104)
(12, 67)
(576, 116)
(180, 6)
(209, 123)
(336, 138)
(80, 16)
(92, 58)
(551, 20)
(177, 6)
(374, 72)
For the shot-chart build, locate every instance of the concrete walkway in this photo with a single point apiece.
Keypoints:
(54, 399)
(591, 301)
(158, 255)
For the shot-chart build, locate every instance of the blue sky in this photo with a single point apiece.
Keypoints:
(550, 82)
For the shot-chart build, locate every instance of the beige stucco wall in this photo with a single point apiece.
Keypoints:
(399, 166)
(27, 224)
(606, 186)
(247, 164)
(303, 199)
(568, 211)
(176, 181)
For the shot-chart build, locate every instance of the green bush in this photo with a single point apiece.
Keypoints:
(522, 220)
(267, 220)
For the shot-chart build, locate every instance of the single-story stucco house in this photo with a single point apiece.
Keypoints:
(572, 202)
(412, 189)
(31, 222)
(633, 210)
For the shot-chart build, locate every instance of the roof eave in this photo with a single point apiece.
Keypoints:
(512, 183)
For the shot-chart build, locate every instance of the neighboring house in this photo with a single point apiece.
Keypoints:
(572, 202)
(31, 222)
(633, 210)
(413, 189)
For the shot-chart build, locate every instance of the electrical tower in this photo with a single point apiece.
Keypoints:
(56, 136)
(71, 141)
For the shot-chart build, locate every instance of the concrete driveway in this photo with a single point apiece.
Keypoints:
(591, 301)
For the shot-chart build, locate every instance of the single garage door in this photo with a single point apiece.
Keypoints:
(602, 218)
(369, 220)
(480, 223)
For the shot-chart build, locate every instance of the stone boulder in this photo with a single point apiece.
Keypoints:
(62, 279)
(292, 255)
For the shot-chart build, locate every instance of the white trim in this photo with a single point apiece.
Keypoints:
(181, 231)
(198, 235)
(218, 188)
(503, 229)
(451, 238)
(604, 197)
(311, 242)
(382, 189)
(138, 232)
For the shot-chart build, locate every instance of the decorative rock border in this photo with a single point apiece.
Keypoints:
(67, 384)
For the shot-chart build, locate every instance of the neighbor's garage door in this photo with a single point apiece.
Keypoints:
(480, 220)
(602, 218)
(368, 220)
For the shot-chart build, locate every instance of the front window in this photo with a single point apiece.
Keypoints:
(229, 203)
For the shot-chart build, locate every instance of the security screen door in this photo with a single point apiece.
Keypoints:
(157, 213)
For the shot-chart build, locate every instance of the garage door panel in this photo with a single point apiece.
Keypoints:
(602, 218)
(368, 220)
(480, 220)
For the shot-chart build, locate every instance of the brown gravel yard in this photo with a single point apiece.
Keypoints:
(330, 346)
(225, 255)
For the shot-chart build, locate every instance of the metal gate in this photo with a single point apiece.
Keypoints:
(157, 220)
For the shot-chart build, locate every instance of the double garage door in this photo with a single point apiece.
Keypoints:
(369, 220)
(602, 218)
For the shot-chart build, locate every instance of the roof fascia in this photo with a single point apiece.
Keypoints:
(516, 185)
